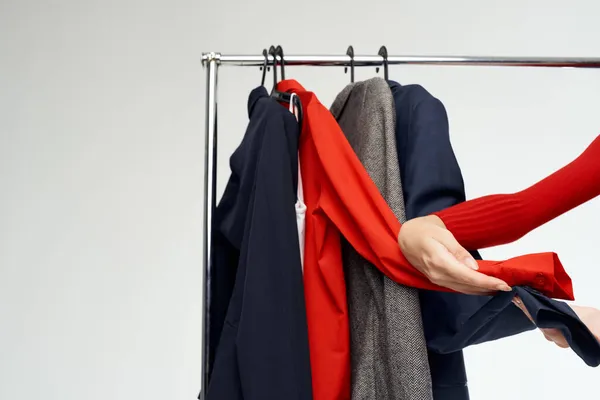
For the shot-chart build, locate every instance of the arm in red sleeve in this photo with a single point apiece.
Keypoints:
(352, 202)
(504, 218)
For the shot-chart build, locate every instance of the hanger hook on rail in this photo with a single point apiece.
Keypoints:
(279, 52)
(350, 53)
(384, 53)
(265, 67)
(274, 55)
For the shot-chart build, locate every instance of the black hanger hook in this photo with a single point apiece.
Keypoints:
(265, 67)
(274, 55)
(350, 52)
(279, 52)
(384, 53)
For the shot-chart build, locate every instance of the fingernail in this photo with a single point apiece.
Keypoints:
(504, 288)
(471, 263)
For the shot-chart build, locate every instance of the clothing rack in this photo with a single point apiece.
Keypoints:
(213, 60)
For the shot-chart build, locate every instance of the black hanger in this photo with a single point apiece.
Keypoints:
(384, 53)
(350, 52)
(279, 52)
(274, 55)
(265, 67)
(283, 96)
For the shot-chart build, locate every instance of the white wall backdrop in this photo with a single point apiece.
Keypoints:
(101, 140)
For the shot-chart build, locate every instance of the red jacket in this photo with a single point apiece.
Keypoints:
(341, 199)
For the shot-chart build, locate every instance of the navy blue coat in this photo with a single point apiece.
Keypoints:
(432, 181)
(258, 329)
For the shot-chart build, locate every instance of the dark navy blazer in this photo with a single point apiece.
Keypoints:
(258, 330)
(432, 181)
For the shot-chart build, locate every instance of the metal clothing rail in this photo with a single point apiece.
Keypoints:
(212, 61)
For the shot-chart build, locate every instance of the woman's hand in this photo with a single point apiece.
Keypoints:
(588, 315)
(432, 249)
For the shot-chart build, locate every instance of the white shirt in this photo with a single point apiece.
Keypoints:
(300, 216)
(300, 206)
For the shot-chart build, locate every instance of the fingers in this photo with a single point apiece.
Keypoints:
(449, 272)
(466, 289)
(460, 253)
(554, 335)
(519, 303)
(478, 279)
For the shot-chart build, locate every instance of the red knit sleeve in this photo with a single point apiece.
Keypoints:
(503, 218)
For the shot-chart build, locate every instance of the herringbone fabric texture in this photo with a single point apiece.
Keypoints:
(388, 350)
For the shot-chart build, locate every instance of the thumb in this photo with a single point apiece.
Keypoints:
(460, 253)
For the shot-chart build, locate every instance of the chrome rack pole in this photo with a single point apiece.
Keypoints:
(376, 61)
(211, 62)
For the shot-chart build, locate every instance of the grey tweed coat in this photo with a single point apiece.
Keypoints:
(388, 350)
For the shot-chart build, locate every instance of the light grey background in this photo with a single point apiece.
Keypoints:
(101, 140)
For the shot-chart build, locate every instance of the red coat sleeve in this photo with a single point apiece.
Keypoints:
(504, 218)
